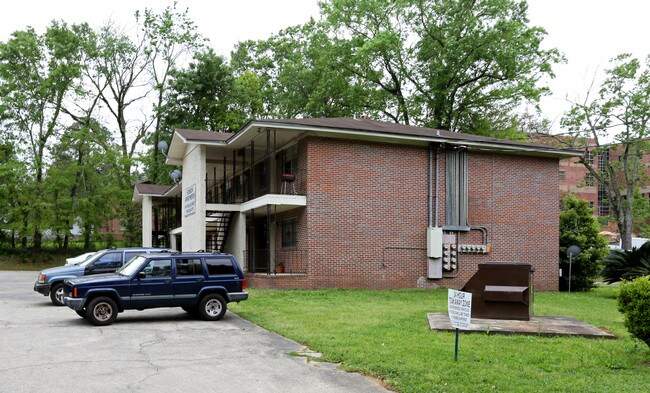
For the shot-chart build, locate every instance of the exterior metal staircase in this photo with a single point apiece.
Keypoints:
(218, 225)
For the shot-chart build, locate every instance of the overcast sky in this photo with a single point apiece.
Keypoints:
(588, 32)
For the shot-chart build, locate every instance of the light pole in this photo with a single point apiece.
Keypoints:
(571, 252)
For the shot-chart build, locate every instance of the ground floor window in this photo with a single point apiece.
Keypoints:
(289, 232)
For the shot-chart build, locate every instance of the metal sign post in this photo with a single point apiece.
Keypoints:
(459, 307)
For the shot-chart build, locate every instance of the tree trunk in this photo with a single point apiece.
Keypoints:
(86, 239)
(625, 229)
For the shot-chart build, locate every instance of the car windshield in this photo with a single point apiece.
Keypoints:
(91, 258)
(132, 266)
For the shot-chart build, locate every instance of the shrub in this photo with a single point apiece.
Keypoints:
(579, 227)
(626, 265)
(634, 303)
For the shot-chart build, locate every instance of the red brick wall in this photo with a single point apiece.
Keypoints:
(367, 213)
(516, 199)
(363, 198)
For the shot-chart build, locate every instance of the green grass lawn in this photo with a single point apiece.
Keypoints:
(34, 262)
(385, 334)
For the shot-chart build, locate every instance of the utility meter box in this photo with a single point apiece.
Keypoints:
(434, 242)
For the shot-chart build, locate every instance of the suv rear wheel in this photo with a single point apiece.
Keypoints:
(212, 307)
(56, 294)
(101, 311)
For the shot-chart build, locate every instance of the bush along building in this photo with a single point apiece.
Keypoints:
(357, 203)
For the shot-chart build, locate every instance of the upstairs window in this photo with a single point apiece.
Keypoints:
(290, 160)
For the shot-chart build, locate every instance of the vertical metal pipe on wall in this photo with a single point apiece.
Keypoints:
(225, 191)
(434, 188)
(431, 185)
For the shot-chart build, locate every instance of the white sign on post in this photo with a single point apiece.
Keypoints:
(459, 305)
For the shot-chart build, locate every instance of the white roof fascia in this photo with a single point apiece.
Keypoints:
(487, 146)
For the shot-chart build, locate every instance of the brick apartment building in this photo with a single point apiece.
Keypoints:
(575, 179)
(357, 203)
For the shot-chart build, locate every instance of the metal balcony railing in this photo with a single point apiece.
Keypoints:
(285, 261)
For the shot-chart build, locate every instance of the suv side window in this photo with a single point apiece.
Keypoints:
(130, 254)
(110, 260)
(158, 268)
(188, 267)
(219, 265)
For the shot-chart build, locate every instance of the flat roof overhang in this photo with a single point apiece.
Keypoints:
(496, 146)
(285, 131)
(280, 202)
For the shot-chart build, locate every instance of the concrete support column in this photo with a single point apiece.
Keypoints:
(193, 198)
(147, 221)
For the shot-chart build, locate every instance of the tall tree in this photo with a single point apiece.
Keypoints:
(117, 70)
(203, 96)
(13, 199)
(459, 65)
(167, 38)
(36, 74)
(83, 181)
(614, 122)
(299, 74)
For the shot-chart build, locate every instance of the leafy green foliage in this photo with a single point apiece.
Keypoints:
(634, 303)
(83, 182)
(37, 72)
(456, 65)
(578, 227)
(626, 265)
(203, 96)
(640, 214)
(299, 74)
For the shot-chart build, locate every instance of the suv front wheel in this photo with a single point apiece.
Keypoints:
(212, 307)
(101, 311)
(56, 294)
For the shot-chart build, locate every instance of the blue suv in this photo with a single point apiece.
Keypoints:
(201, 283)
(50, 281)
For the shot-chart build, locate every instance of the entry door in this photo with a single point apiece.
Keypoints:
(260, 252)
(155, 288)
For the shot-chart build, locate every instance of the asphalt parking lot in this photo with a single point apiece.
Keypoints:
(44, 348)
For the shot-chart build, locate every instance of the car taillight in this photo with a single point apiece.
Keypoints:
(243, 284)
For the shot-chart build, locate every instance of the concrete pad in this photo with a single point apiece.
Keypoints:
(544, 325)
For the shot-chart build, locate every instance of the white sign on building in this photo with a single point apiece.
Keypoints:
(459, 306)
(190, 200)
